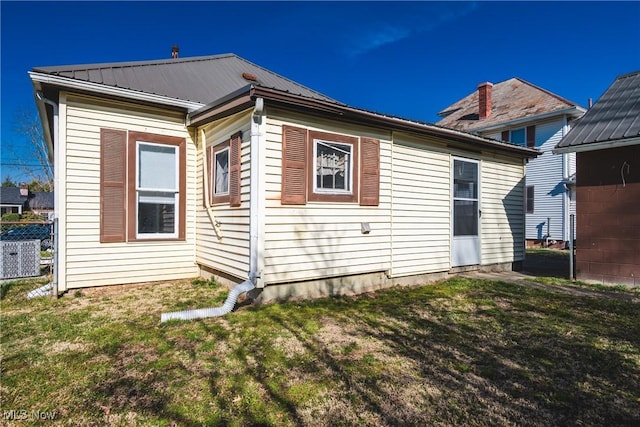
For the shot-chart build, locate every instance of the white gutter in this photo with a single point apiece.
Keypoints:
(113, 91)
(577, 111)
(205, 182)
(56, 186)
(597, 146)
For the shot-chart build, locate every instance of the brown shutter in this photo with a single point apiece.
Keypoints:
(505, 135)
(531, 136)
(235, 162)
(113, 177)
(370, 172)
(294, 160)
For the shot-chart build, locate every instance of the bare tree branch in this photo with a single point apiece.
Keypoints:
(34, 159)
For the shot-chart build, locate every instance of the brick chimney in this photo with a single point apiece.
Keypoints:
(24, 190)
(484, 100)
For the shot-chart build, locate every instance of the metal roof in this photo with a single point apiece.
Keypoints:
(613, 120)
(41, 200)
(511, 100)
(201, 79)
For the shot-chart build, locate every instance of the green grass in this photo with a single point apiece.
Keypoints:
(551, 253)
(458, 352)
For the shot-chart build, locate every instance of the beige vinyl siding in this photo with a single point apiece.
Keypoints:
(230, 254)
(89, 262)
(421, 207)
(502, 187)
(322, 239)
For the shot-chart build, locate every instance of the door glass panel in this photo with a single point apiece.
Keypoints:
(465, 180)
(465, 218)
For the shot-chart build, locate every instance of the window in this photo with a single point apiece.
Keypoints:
(327, 167)
(142, 186)
(518, 136)
(224, 164)
(157, 190)
(333, 170)
(331, 166)
(529, 199)
(221, 173)
(521, 136)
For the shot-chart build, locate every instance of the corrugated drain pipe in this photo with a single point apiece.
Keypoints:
(203, 313)
(254, 275)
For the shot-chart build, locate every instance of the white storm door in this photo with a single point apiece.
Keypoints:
(465, 244)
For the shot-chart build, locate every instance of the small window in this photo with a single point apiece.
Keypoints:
(522, 136)
(530, 199)
(221, 173)
(333, 167)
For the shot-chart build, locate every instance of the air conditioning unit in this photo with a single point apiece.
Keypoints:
(20, 259)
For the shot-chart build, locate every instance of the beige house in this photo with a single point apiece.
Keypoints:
(213, 165)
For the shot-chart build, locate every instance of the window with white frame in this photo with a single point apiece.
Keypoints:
(157, 190)
(333, 167)
(220, 172)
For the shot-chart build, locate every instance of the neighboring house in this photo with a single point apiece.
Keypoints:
(517, 111)
(12, 200)
(607, 144)
(41, 203)
(20, 200)
(215, 166)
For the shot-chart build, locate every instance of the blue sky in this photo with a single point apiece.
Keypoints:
(410, 59)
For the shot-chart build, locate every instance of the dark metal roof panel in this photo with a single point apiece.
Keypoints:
(615, 116)
(41, 200)
(197, 79)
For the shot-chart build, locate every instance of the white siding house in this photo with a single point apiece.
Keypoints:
(517, 111)
(273, 183)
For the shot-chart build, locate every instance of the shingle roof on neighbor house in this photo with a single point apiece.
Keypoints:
(614, 120)
(511, 100)
(11, 196)
(201, 79)
(39, 200)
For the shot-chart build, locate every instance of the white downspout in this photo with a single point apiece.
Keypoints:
(256, 216)
(205, 183)
(566, 203)
(256, 196)
(56, 188)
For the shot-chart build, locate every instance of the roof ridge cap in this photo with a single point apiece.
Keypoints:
(127, 64)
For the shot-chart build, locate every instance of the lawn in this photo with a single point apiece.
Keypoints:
(457, 352)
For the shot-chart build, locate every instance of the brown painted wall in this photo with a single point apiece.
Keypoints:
(608, 215)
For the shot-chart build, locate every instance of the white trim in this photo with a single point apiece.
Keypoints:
(577, 112)
(113, 91)
(330, 144)
(597, 146)
(452, 200)
(215, 168)
(175, 191)
(60, 190)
